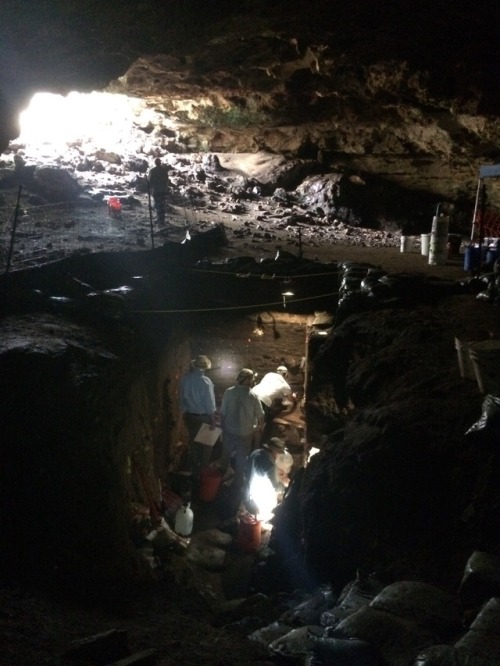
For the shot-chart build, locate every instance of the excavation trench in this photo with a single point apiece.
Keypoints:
(94, 436)
(262, 341)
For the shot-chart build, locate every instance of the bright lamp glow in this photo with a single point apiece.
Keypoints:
(103, 118)
(264, 496)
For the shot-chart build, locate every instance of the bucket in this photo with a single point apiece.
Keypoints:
(462, 345)
(424, 244)
(210, 480)
(249, 531)
(485, 356)
(406, 244)
(114, 206)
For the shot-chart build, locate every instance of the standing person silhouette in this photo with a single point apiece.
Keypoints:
(158, 183)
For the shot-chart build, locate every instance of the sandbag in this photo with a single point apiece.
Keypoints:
(481, 579)
(340, 652)
(482, 641)
(397, 640)
(214, 537)
(428, 606)
(266, 635)
(447, 655)
(309, 611)
(488, 619)
(355, 595)
(208, 557)
(479, 644)
(295, 642)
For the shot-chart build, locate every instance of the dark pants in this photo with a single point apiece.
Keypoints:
(199, 454)
(160, 201)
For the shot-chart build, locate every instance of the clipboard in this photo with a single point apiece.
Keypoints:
(206, 435)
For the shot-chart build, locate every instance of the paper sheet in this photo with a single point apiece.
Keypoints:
(207, 436)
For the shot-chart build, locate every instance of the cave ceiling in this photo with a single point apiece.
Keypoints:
(407, 91)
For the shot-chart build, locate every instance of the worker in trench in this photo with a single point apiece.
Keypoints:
(275, 394)
(197, 404)
(266, 477)
(242, 419)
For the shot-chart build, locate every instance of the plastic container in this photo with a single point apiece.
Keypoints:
(406, 244)
(462, 345)
(424, 244)
(472, 257)
(485, 356)
(184, 520)
(210, 480)
(249, 533)
(438, 246)
(492, 255)
(114, 206)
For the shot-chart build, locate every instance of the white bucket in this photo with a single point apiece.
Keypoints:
(462, 345)
(406, 244)
(424, 244)
(485, 356)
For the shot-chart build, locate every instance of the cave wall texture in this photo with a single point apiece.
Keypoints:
(82, 433)
(409, 92)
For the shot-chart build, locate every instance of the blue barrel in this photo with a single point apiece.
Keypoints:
(472, 257)
(492, 255)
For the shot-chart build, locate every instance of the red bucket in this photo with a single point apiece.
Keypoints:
(210, 480)
(114, 205)
(249, 532)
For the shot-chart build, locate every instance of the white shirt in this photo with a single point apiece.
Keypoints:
(271, 387)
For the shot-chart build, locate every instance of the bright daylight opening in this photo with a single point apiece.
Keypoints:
(100, 118)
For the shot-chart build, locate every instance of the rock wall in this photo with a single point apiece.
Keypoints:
(86, 419)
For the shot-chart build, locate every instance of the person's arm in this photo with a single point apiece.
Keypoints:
(259, 413)
(286, 390)
(211, 404)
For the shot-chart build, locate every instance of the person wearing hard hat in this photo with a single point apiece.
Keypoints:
(266, 461)
(275, 393)
(273, 388)
(241, 417)
(197, 404)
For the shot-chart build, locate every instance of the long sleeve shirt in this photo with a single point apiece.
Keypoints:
(196, 394)
(241, 411)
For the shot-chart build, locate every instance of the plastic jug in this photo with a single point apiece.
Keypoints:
(184, 520)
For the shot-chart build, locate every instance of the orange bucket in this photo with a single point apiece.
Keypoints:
(210, 480)
(249, 532)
